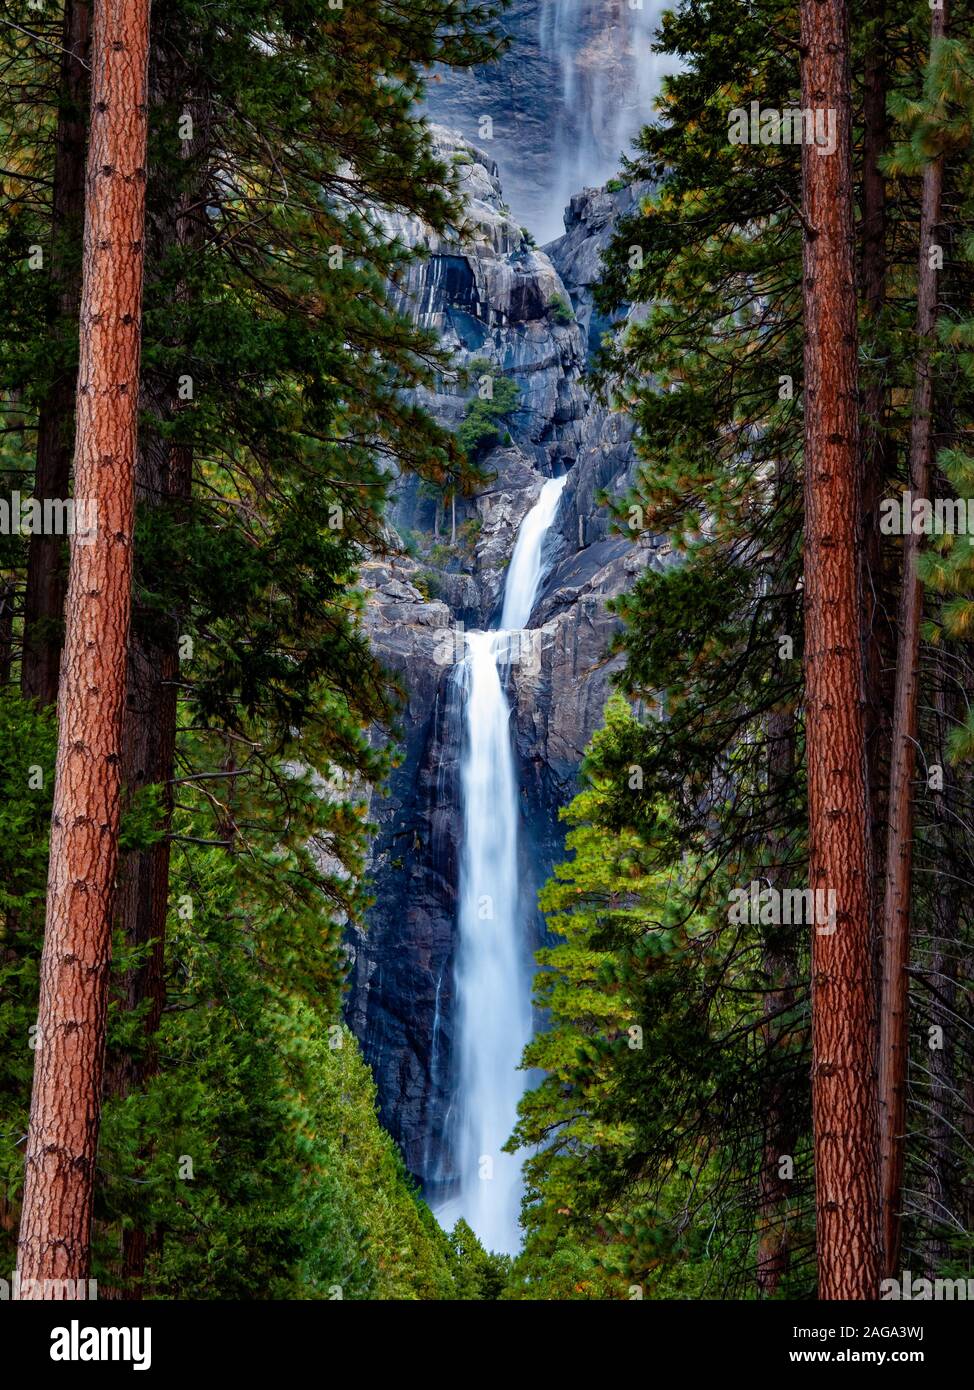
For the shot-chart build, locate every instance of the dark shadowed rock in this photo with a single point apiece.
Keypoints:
(577, 256)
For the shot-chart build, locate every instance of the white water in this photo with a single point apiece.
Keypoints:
(493, 970)
(524, 572)
(608, 88)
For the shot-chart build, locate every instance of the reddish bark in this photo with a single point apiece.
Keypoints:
(843, 1079)
(55, 1232)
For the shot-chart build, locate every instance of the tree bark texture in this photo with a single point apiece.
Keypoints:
(55, 1234)
(843, 1014)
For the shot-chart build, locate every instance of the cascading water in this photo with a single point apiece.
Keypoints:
(524, 571)
(493, 968)
(564, 102)
(609, 79)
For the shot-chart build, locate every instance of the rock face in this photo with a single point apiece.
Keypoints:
(498, 303)
(590, 218)
(562, 104)
(493, 298)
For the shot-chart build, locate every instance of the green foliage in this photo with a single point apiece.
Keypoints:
(641, 1132)
(426, 581)
(27, 750)
(469, 532)
(258, 1140)
(482, 424)
(268, 275)
(560, 309)
(478, 1274)
(655, 1163)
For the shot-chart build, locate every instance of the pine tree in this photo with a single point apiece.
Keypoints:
(893, 1020)
(274, 390)
(712, 643)
(646, 1132)
(61, 1143)
(46, 571)
(843, 1006)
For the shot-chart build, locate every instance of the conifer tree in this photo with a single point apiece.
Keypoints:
(56, 1218)
(843, 1004)
(46, 571)
(893, 1021)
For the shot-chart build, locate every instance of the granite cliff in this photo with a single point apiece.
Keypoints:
(494, 298)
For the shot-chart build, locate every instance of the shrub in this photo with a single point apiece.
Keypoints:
(561, 310)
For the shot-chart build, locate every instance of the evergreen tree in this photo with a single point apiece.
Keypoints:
(55, 1223)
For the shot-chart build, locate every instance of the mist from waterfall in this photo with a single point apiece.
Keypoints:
(493, 963)
(608, 85)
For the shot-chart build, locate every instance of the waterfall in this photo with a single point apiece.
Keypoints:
(524, 571)
(493, 964)
(609, 78)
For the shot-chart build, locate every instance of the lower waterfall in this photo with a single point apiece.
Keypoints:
(493, 960)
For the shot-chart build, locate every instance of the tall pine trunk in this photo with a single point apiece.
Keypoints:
(46, 571)
(893, 1013)
(843, 1080)
(8, 594)
(945, 933)
(55, 1231)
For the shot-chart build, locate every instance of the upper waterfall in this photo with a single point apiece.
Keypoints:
(559, 109)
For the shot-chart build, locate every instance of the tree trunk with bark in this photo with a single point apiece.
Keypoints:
(164, 471)
(843, 1014)
(46, 570)
(939, 1176)
(55, 1231)
(7, 598)
(894, 987)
